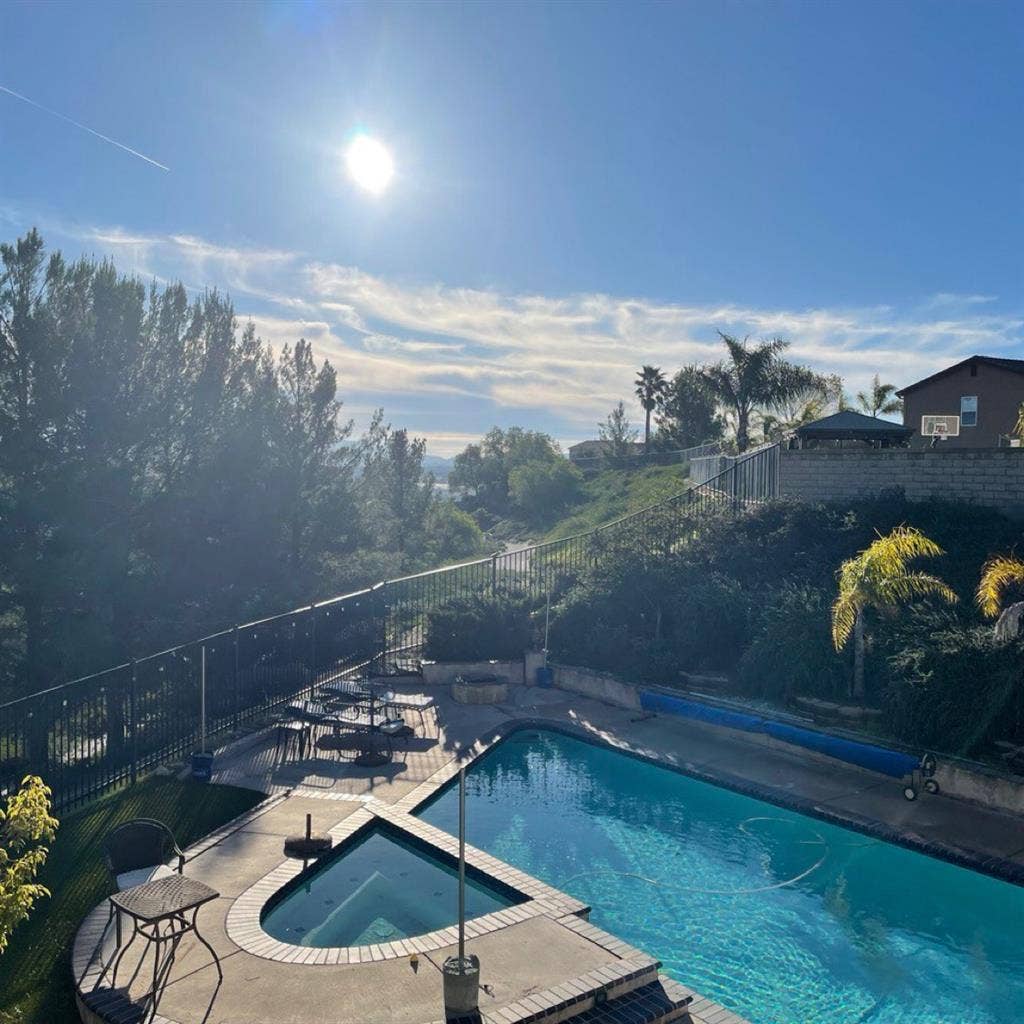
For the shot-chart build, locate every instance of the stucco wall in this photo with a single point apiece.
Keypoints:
(599, 685)
(992, 477)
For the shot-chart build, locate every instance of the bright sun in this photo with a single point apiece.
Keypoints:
(369, 164)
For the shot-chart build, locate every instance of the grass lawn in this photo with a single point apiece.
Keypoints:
(35, 973)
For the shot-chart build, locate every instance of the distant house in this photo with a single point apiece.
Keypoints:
(973, 404)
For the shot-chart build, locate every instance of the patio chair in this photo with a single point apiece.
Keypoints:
(291, 732)
(138, 852)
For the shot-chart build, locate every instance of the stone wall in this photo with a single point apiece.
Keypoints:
(993, 477)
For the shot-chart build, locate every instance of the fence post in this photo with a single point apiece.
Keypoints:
(133, 678)
(234, 680)
(383, 669)
(494, 574)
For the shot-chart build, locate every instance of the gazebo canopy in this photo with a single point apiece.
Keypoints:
(854, 426)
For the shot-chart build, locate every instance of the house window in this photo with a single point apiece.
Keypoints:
(968, 410)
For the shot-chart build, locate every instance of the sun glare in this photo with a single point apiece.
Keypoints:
(369, 164)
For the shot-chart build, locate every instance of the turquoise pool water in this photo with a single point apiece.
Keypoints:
(780, 917)
(379, 888)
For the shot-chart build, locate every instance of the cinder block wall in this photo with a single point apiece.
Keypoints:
(992, 477)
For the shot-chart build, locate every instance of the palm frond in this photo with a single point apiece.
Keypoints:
(844, 617)
(996, 575)
(890, 554)
(878, 577)
(909, 585)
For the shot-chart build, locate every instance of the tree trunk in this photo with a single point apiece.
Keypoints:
(742, 430)
(647, 430)
(858, 658)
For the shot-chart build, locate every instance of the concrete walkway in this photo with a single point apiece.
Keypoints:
(529, 956)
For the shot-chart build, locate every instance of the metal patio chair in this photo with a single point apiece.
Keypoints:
(137, 851)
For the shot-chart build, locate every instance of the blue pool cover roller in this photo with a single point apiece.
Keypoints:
(877, 759)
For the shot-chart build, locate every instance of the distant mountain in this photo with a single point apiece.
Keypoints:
(438, 465)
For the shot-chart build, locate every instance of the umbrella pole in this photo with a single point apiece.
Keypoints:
(462, 869)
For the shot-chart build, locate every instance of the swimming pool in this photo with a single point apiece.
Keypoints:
(377, 888)
(780, 917)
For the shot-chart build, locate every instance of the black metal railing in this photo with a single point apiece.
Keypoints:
(91, 734)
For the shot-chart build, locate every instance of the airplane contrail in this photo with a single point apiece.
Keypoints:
(85, 128)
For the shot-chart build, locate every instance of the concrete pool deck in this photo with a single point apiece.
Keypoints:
(542, 965)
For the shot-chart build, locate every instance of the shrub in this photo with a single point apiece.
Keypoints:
(956, 689)
(791, 650)
(650, 620)
(452, 534)
(480, 628)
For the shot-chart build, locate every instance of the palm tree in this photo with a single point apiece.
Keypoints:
(997, 575)
(880, 400)
(651, 387)
(880, 578)
(757, 377)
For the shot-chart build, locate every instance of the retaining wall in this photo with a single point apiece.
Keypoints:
(991, 477)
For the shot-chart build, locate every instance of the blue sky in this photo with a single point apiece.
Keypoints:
(578, 188)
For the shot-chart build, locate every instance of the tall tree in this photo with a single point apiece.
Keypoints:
(756, 377)
(650, 387)
(688, 412)
(398, 490)
(618, 434)
(41, 304)
(880, 577)
(880, 399)
(315, 462)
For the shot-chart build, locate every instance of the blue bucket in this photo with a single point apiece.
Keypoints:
(202, 767)
(545, 677)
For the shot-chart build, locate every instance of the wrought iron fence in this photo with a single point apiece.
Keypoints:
(89, 735)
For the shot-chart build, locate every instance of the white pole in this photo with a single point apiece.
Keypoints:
(202, 700)
(547, 618)
(462, 870)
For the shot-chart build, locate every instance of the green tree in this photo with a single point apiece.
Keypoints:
(688, 411)
(25, 825)
(880, 399)
(480, 474)
(35, 411)
(618, 433)
(398, 491)
(540, 490)
(756, 377)
(452, 534)
(880, 578)
(315, 462)
(650, 386)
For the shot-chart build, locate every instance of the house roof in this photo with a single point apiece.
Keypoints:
(847, 425)
(1013, 365)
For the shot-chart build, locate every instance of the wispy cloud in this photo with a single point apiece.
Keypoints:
(557, 360)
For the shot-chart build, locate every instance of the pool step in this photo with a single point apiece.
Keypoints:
(658, 1002)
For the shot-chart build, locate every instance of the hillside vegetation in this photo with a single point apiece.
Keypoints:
(617, 492)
